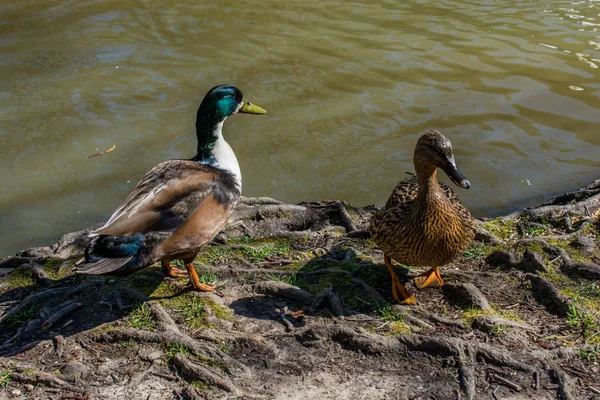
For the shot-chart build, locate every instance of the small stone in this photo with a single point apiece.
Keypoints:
(149, 354)
(16, 392)
(74, 371)
(29, 387)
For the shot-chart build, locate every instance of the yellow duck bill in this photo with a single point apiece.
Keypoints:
(250, 108)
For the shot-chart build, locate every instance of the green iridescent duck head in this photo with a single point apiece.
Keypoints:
(224, 100)
(435, 150)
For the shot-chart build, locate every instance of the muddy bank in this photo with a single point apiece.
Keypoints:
(307, 313)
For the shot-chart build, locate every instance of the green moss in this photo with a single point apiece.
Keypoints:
(199, 385)
(532, 246)
(102, 329)
(215, 254)
(220, 311)
(398, 328)
(193, 309)
(511, 315)
(19, 278)
(502, 230)
(555, 276)
(471, 314)
(261, 249)
(59, 269)
(533, 230)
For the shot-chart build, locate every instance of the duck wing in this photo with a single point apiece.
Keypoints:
(166, 196)
(404, 192)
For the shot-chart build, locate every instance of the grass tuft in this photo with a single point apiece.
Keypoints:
(582, 321)
(476, 251)
(141, 318)
(26, 314)
(5, 378)
(172, 349)
(388, 313)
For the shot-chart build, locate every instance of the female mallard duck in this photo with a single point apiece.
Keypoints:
(423, 222)
(179, 205)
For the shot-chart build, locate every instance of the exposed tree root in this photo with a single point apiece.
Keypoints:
(332, 298)
(546, 293)
(571, 268)
(267, 218)
(466, 294)
(169, 333)
(454, 323)
(568, 204)
(466, 371)
(39, 275)
(506, 382)
(208, 376)
(564, 389)
(60, 314)
(482, 235)
(282, 289)
(26, 374)
(40, 296)
(359, 339)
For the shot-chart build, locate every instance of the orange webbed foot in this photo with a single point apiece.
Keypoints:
(400, 293)
(431, 277)
(196, 284)
(172, 270)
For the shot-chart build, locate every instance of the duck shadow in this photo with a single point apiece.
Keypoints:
(362, 286)
(31, 313)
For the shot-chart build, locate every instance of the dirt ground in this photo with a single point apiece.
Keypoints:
(307, 313)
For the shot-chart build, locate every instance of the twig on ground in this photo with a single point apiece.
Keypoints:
(282, 316)
(466, 360)
(506, 382)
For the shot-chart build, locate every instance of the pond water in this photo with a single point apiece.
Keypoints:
(349, 86)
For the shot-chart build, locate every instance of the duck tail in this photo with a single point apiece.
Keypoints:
(116, 255)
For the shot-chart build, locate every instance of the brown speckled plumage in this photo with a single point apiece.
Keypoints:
(423, 222)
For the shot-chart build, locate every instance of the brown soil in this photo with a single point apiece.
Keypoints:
(307, 313)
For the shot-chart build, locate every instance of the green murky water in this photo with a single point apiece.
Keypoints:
(349, 87)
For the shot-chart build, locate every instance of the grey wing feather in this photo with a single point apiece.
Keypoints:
(102, 266)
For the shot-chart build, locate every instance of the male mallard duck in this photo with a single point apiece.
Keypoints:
(179, 205)
(423, 222)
